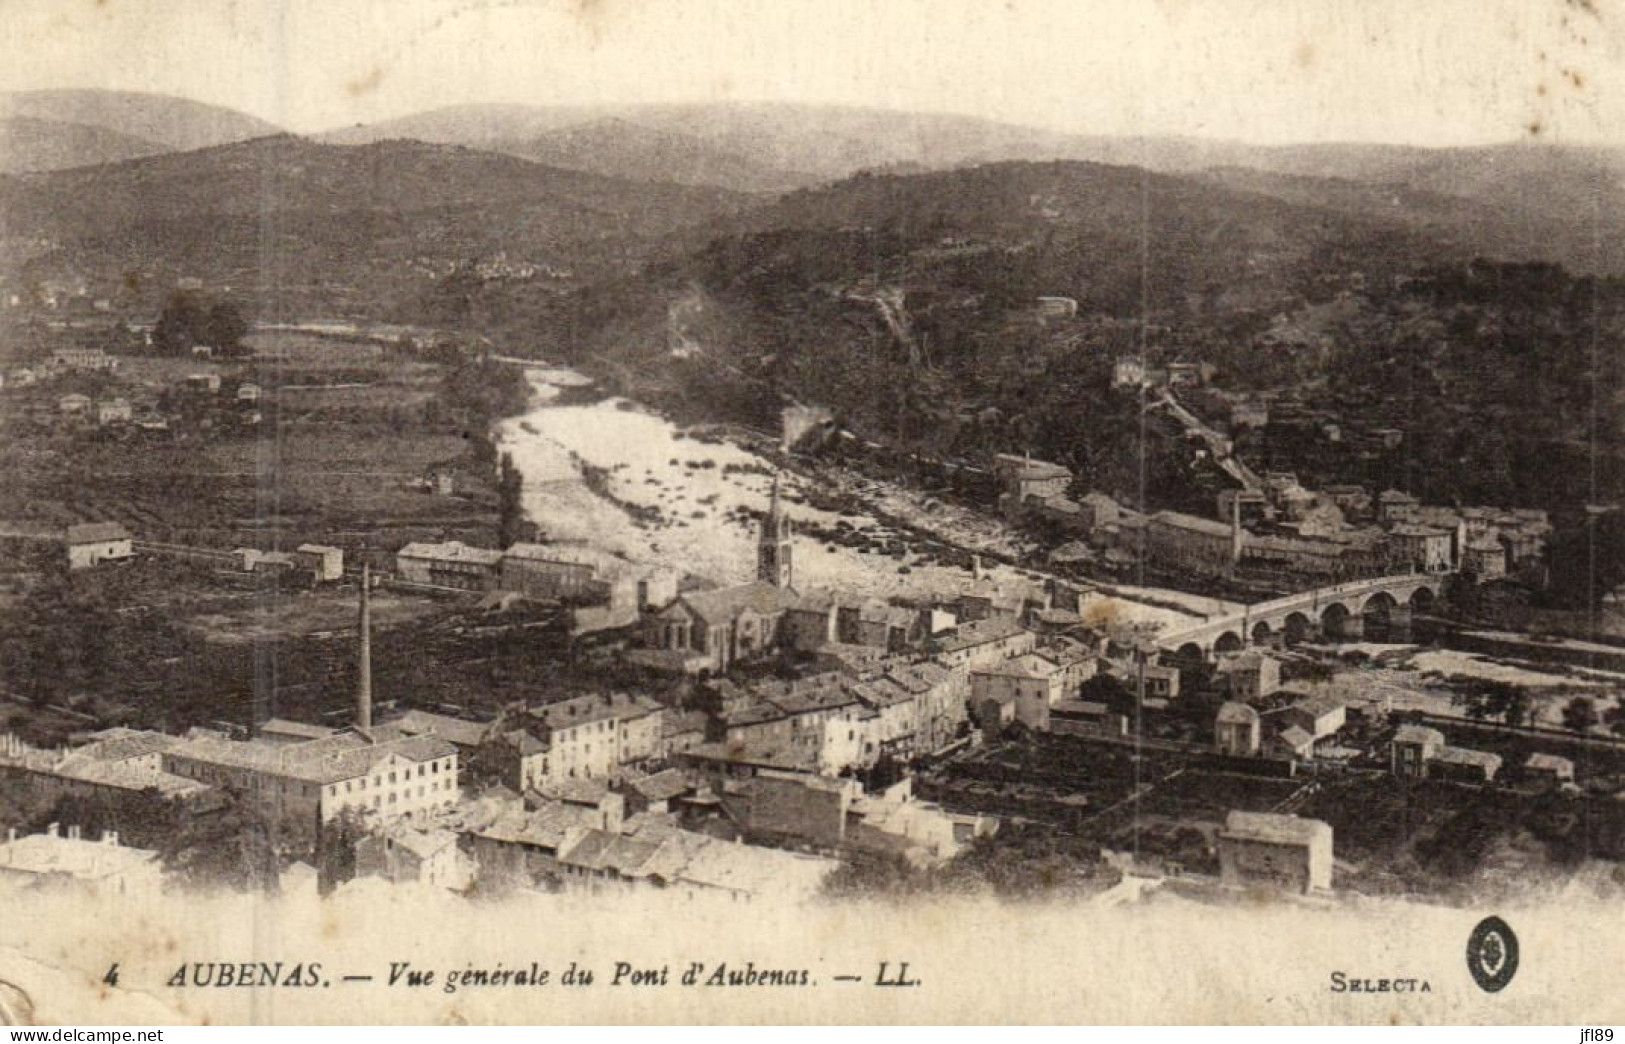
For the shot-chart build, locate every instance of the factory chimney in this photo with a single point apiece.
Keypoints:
(363, 681)
(1236, 537)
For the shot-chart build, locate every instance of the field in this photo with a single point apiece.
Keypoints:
(345, 436)
(256, 618)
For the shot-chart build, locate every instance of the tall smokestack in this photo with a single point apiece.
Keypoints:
(363, 681)
(1235, 529)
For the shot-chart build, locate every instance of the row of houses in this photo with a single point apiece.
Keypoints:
(1287, 532)
(615, 591)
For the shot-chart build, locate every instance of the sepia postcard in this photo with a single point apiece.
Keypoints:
(812, 511)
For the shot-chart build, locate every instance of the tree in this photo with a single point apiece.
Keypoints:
(336, 849)
(181, 324)
(1509, 703)
(1107, 689)
(1581, 714)
(225, 328)
(233, 847)
(510, 497)
(187, 321)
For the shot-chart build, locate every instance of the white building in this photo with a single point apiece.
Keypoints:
(92, 543)
(103, 868)
(382, 773)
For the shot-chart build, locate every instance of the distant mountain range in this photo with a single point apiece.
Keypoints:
(363, 224)
(56, 129)
(1518, 201)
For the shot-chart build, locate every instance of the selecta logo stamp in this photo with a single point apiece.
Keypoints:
(1492, 954)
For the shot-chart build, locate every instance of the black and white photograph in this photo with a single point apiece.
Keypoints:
(811, 512)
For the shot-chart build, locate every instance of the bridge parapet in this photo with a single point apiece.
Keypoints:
(1349, 595)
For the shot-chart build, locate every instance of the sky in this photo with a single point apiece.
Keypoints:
(1431, 72)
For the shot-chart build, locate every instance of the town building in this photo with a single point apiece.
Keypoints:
(1236, 730)
(325, 563)
(1261, 849)
(85, 360)
(1248, 675)
(113, 411)
(1319, 716)
(92, 543)
(381, 773)
(1192, 544)
(1022, 477)
(690, 864)
(1484, 559)
(589, 737)
(1411, 749)
(1420, 752)
(56, 860)
(467, 736)
(711, 630)
(1549, 768)
(556, 571)
(1029, 683)
(1464, 765)
(401, 853)
(1073, 717)
(115, 763)
(1394, 506)
(982, 642)
(1422, 549)
(1161, 680)
(73, 404)
(823, 724)
(449, 564)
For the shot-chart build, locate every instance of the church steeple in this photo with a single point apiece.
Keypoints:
(773, 556)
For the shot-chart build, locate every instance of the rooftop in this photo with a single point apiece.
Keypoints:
(723, 604)
(1420, 734)
(51, 853)
(1464, 756)
(1296, 737)
(978, 632)
(584, 709)
(1192, 523)
(462, 733)
(341, 756)
(96, 532)
(450, 551)
(1276, 829)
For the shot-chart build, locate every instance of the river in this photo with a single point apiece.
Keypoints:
(704, 495)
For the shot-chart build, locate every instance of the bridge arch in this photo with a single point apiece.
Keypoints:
(1296, 628)
(1422, 600)
(1262, 633)
(1190, 653)
(1383, 615)
(1338, 622)
(1228, 642)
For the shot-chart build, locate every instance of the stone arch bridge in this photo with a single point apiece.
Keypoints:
(1341, 611)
